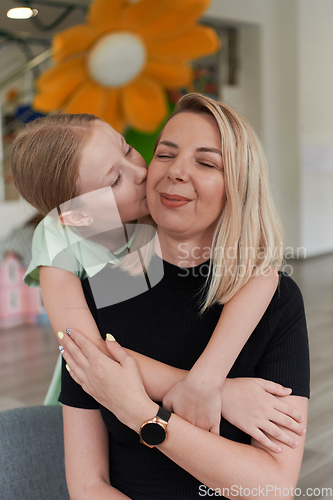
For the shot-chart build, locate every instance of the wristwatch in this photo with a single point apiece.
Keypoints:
(154, 432)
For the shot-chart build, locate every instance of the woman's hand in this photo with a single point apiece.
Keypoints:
(255, 406)
(115, 383)
(196, 402)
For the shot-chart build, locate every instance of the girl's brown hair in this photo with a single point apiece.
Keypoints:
(45, 158)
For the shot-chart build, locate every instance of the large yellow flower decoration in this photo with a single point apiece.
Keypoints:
(119, 62)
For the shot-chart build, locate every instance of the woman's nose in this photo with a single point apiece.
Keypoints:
(178, 171)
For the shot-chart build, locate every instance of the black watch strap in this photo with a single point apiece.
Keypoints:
(163, 414)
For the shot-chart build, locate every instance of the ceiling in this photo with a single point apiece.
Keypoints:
(49, 12)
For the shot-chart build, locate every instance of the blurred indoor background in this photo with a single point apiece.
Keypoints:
(276, 67)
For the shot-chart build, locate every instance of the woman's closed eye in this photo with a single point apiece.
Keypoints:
(206, 164)
(209, 164)
(164, 156)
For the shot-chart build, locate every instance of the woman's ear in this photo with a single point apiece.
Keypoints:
(74, 218)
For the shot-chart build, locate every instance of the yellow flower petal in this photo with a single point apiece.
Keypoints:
(196, 42)
(144, 104)
(104, 14)
(53, 78)
(112, 111)
(56, 84)
(73, 40)
(89, 98)
(172, 75)
(141, 13)
(178, 17)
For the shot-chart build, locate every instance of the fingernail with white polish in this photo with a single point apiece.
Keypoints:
(61, 349)
(110, 337)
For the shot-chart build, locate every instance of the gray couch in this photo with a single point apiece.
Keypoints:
(32, 454)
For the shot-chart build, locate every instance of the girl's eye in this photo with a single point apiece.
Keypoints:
(130, 149)
(117, 181)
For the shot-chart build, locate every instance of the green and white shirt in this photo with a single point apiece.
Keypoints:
(63, 247)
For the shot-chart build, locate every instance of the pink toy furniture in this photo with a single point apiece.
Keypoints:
(19, 304)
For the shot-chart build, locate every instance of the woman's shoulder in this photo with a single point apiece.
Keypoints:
(287, 285)
(288, 295)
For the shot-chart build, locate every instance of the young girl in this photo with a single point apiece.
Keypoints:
(78, 157)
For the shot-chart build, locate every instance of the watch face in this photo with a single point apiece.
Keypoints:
(153, 434)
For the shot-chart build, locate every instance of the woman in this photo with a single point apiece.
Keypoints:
(207, 173)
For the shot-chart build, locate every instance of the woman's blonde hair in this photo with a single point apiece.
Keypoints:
(249, 236)
(45, 158)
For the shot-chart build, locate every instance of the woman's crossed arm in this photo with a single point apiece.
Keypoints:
(215, 461)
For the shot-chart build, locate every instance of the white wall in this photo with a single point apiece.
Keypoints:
(315, 47)
(13, 214)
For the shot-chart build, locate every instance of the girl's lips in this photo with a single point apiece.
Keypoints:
(173, 200)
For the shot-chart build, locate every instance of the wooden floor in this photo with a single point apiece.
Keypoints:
(28, 356)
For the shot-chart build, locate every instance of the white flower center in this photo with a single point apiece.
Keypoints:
(116, 59)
